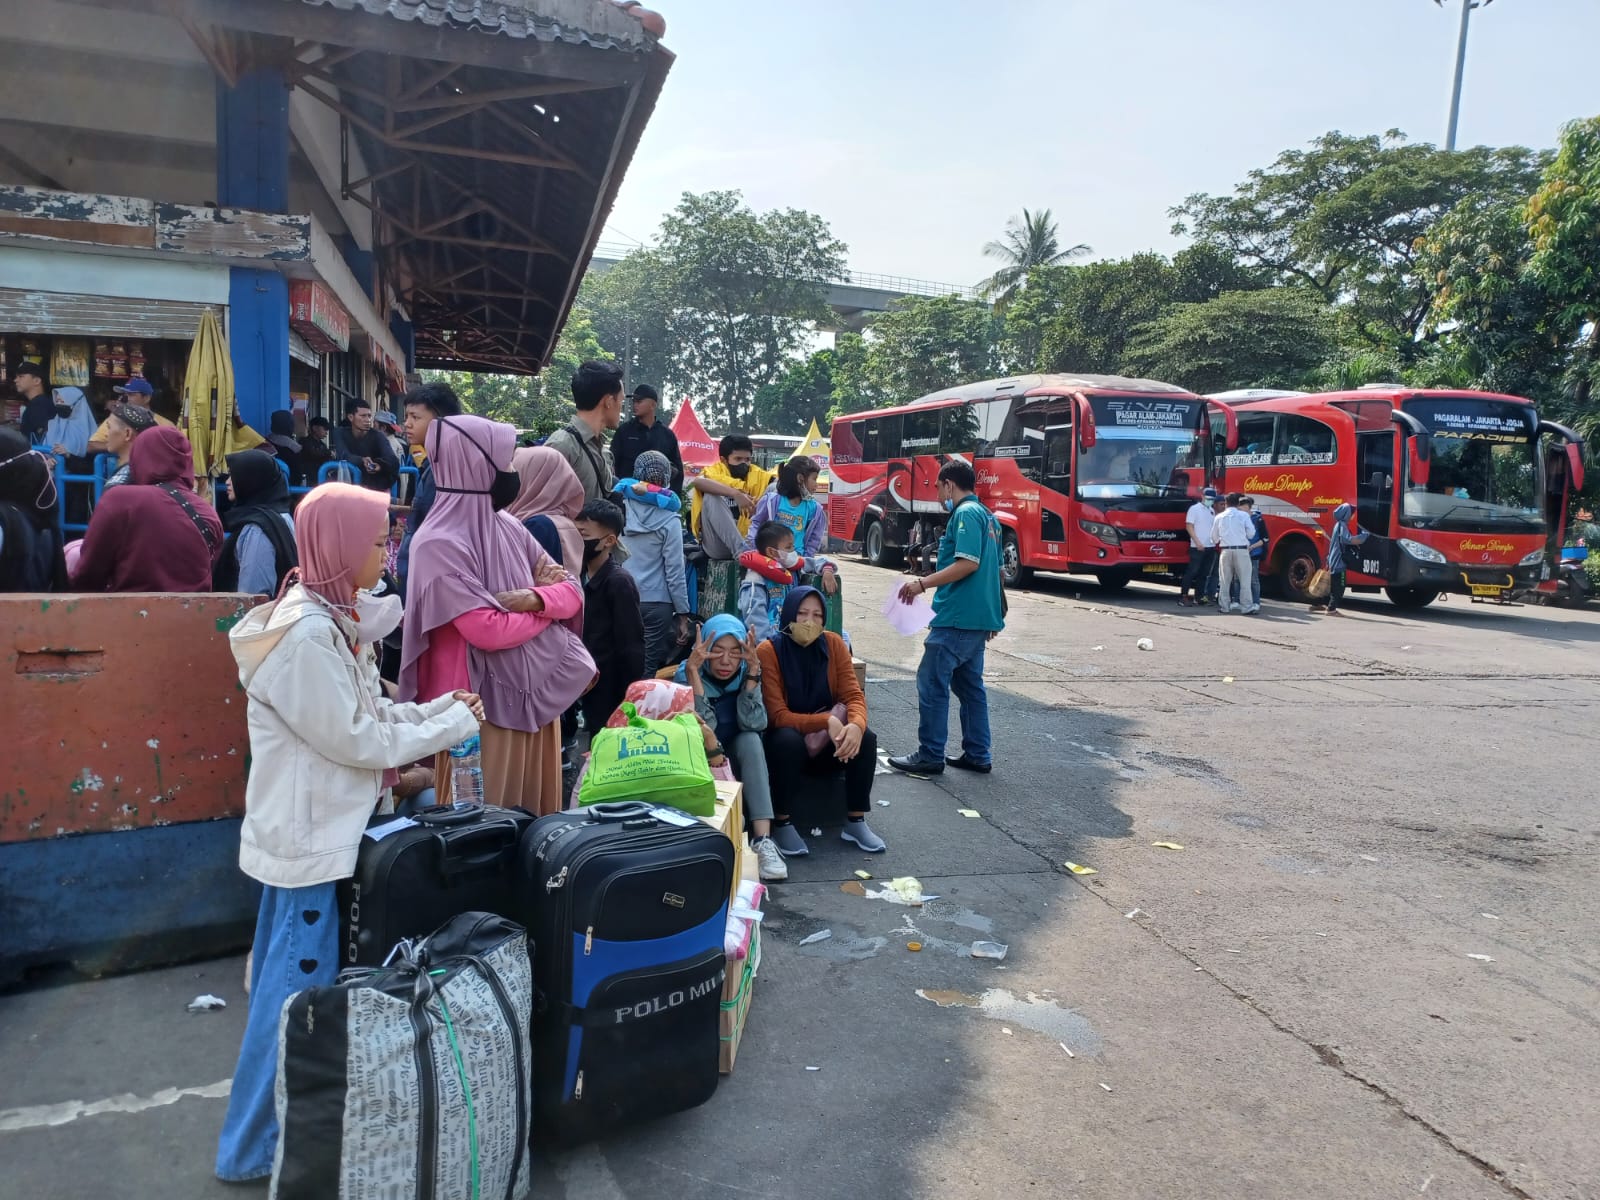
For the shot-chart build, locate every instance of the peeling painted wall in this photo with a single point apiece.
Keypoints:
(118, 712)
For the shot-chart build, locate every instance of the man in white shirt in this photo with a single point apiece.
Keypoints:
(1234, 532)
(1201, 524)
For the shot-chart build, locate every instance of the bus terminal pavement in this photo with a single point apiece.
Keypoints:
(1332, 932)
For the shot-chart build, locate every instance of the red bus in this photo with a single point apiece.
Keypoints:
(1086, 473)
(1456, 488)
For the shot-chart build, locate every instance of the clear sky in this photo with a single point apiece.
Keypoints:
(915, 129)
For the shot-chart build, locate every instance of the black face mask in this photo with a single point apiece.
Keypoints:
(63, 410)
(591, 547)
(507, 485)
(740, 471)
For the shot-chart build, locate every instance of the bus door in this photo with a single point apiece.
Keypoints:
(1375, 490)
(1557, 489)
(1046, 429)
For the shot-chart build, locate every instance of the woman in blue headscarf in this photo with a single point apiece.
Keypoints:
(725, 675)
(1339, 540)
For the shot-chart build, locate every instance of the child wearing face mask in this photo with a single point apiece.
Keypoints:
(653, 538)
(770, 570)
(613, 629)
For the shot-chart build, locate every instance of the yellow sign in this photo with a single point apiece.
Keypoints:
(1495, 545)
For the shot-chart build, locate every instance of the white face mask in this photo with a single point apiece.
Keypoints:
(378, 616)
(788, 558)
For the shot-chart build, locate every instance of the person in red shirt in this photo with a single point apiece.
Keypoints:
(155, 534)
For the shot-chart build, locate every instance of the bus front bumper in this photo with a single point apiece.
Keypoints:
(1463, 578)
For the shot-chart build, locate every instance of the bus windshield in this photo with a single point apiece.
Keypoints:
(1139, 445)
(1485, 472)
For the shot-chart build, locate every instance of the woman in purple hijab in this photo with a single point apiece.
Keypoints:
(488, 610)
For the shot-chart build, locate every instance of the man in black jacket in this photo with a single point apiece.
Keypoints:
(613, 629)
(366, 448)
(643, 432)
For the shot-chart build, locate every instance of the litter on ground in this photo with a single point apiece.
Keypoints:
(1145, 644)
(994, 950)
(1167, 845)
(968, 812)
(1480, 958)
(821, 935)
(207, 1003)
(1065, 1047)
(1078, 868)
(863, 875)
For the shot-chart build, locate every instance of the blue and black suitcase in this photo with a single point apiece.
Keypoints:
(630, 905)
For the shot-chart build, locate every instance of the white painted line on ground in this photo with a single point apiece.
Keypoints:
(584, 1173)
(13, 1119)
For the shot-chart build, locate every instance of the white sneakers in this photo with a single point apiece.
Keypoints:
(770, 862)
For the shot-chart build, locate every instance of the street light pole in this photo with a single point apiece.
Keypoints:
(1461, 65)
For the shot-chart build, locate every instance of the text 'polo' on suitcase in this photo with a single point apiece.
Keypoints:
(414, 873)
(630, 909)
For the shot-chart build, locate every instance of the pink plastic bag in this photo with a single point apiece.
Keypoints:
(906, 619)
(657, 699)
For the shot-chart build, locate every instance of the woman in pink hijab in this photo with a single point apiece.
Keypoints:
(549, 503)
(488, 611)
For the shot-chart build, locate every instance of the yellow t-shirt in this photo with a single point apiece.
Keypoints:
(752, 485)
(104, 431)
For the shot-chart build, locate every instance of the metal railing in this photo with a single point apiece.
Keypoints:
(904, 285)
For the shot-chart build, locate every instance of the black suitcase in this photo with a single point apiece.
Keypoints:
(630, 907)
(409, 883)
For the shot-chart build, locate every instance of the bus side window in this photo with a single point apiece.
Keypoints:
(888, 438)
(1304, 441)
(869, 432)
(1255, 441)
(990, 417)
(958, 429)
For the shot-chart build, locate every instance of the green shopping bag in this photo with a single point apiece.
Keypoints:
(662, 762)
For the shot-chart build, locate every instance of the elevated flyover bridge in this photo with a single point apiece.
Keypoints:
(854, 300)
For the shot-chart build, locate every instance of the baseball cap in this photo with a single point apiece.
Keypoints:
(645, 392)
(385, 417)
(135, 387)
(30, 368)
(1209, 494)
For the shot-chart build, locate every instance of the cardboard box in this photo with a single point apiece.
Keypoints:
(737, 990)
(729, 817)
(861, 672)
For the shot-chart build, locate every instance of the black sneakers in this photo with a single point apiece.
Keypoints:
(966, 764)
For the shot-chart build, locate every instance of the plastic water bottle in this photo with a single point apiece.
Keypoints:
(466, 773)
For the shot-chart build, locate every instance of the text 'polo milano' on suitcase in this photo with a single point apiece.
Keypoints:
(411, 878)
(630, 911)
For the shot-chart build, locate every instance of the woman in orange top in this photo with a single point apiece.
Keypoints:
(816, 720)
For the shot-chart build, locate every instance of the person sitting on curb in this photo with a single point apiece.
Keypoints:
(724, 671)
(806, 674)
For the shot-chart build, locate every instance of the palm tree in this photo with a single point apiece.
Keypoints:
(1031, 242)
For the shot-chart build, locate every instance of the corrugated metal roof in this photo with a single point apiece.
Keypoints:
(599, 23)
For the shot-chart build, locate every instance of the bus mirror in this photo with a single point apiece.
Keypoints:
(1421, 454)
(1229, 432)
(1575, 465)
(1086, 432)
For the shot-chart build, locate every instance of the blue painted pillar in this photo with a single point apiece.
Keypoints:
(407, 337)
(253, 172)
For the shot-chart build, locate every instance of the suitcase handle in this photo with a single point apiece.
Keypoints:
(447, 814)
(618, 811)
(452, 847)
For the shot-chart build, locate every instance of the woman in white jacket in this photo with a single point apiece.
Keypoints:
(321, 737)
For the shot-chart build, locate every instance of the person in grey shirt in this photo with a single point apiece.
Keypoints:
(597, 396)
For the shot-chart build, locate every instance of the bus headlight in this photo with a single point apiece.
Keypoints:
(1106, 533)
(1420, 552)
(1532, 559)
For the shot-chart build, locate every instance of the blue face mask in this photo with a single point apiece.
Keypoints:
(949, 505)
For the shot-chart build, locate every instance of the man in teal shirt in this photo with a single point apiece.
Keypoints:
(968, 610)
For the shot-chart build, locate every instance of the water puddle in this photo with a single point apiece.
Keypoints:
(1039, 1013)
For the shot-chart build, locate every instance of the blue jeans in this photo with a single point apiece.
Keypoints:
(952, 661)
(296, 947)
(1255, 583)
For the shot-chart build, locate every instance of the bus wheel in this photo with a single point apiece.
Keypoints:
(875, 548)
(1412, 597)
(1114, 581)
(1299, 562)
(1012, 572)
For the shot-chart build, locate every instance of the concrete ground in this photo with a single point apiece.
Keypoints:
(1370, 971)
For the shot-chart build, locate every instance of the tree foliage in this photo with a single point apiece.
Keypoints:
(1028, 243)
(802, 393)
(923, 344)
(742, 291)
(1344, 218)
(1564, 223)
(1079, 318)
(1268, 338)
(630, 316)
